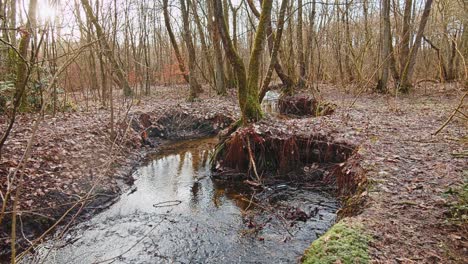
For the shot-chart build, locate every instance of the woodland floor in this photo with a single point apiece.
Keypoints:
(408, 169)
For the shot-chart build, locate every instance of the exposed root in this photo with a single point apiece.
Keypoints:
(304, 105)
(252, 161)
(177, 124)
(257, 155)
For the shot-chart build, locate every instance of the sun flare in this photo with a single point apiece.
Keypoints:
(47, 12)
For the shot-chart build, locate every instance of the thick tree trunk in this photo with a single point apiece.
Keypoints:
(274, 53)
(12, 24)
(220, 78)
(195, 87)
(287, 81)
(248, 86)
(407, 71)
(385, 52)
(406, 34)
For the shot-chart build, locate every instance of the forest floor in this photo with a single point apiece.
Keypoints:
(409, 170)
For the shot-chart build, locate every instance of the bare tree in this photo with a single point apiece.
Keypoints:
(385, 50)
(287, 81)
(195, 87)
(410, 61)
(248, 83)
(219, 66)
(300, 46)
(23, 68)
(107, 49)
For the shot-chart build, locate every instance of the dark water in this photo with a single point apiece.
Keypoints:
(177, 214)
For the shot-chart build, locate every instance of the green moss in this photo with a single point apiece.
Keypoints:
(458, 207)
(341, 244)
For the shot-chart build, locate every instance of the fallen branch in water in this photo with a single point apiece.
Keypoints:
(282, 219)
(167, 203)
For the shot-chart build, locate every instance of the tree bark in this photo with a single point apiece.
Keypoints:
(248, 85)
(408, 70)
(274, 53)
(464, 48)
(300, 47)
(206, 53)
(22, 70)
(173, 40)
(385, 51)
(220, 78)
(406, 34)
(287, 81)
(195, 87)
(123, 82)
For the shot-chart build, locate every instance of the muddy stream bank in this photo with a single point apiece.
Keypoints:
(176, 213)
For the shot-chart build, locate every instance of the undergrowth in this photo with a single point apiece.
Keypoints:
(458, 208)
(341, 244)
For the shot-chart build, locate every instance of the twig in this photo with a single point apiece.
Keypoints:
(167, 203)
(452, 115)
(282, 219)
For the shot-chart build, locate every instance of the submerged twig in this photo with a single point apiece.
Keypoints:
(167, 203)
(282, 219)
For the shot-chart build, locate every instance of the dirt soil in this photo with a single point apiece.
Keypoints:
(408, 169)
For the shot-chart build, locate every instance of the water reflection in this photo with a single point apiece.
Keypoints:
(177, 214)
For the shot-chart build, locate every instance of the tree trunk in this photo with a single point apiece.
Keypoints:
(206, 52)
(22, 75)
(407, 72)
(287, 81)
(464, 45)
(220, 78)
(300, 46)
(248, 86)
(123, 82)
(274, 53)
(173, 40)
(22, 71)
(195, 87)
(4, 31)
(405, 34)
(385, 50)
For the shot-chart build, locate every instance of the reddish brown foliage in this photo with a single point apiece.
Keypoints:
(278, 153)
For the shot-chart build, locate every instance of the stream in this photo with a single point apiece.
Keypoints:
(176, 213)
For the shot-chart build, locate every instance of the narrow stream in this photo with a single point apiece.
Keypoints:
(177, 214)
